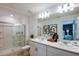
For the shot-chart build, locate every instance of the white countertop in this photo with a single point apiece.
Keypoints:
(58, 45)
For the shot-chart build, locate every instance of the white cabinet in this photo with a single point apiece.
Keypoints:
(37, 49)
(52, 51)
(41, 49)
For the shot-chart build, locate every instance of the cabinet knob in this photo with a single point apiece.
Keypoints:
(36, 49)
(0, 38)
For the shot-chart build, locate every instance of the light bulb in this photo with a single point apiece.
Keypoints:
(60, 9)
(11, 15)
(65, 7)
(71, 5)
(42, 15)
(71, 9)
(46, 14)
(17, 24)
(39, 16)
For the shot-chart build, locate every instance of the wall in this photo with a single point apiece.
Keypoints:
(59, 22)
(18, 18)
(32, 25)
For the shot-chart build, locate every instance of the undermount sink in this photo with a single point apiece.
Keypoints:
(70, 43)
(76, 44)
(64, 43)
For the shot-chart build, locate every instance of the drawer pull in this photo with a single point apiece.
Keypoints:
(36, 49)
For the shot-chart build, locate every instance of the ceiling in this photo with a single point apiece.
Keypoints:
(30, 8)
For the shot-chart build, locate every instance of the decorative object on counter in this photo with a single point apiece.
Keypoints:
(32, 36)
(69, 30)
(53, 38)
(50, 29)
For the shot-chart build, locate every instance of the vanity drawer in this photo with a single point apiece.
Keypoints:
(59, 52)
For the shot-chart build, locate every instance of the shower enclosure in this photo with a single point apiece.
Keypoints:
(11, 36)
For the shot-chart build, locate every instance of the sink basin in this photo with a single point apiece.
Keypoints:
(65, 43)
(70, 43)
(76, 44)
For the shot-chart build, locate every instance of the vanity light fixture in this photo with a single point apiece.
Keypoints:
(65, 8)
(71, 7)
(44, 15)
(60, 10)
(11, 15)
(17, 24)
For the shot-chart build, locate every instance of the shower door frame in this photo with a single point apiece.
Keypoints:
(11, 25)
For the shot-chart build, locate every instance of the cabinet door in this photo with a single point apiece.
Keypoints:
(51, 51)
(1, 36)
(41, 49)
(32, 49)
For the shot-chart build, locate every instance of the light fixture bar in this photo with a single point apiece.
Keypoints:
(43, 15)
(65, 8)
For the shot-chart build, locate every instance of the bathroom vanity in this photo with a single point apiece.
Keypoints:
(45, 48)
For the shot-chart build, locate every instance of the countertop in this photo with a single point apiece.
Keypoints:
(58, 45)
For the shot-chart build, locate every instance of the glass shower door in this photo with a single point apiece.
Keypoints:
(6, 36)
(12, 36)
(19, 35)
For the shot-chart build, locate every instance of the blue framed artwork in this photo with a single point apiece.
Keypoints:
(69, 29)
